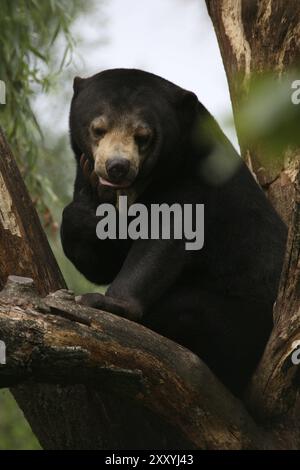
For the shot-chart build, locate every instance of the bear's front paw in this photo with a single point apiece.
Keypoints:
(93, 300)
(122, 308)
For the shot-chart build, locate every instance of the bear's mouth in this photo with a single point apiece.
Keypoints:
(106, 182)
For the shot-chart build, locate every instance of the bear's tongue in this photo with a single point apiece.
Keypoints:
(108, 183)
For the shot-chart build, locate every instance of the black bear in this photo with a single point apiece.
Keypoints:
(137, 134)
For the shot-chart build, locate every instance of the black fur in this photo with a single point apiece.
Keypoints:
(216, 301)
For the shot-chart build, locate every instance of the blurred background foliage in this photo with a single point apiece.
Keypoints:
(270, 117)
(30, 32)
(15, 433)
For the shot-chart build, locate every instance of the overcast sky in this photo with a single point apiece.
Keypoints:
(172, 38)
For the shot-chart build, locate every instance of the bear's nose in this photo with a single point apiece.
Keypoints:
(117, 168)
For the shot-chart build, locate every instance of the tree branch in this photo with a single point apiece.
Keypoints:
(55, 340)
(22, 238)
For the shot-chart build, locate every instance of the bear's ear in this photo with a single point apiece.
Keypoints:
(187, 106)
(77, 84)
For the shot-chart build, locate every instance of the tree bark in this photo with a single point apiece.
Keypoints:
(24, 249)
(71, 344)
(258, 37)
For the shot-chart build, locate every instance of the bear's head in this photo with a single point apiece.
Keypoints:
(129, 122)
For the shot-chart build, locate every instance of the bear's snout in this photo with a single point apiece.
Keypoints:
(117, 168)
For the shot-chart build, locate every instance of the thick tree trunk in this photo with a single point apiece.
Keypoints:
(258, 37)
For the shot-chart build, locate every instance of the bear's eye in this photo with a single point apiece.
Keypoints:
(143, 138)
(99, 132)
